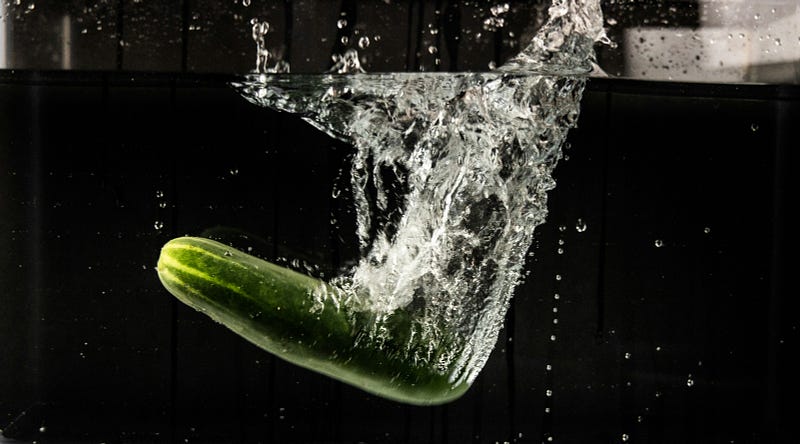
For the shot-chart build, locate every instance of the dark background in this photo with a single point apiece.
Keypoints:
(94, 349)
(102, 163)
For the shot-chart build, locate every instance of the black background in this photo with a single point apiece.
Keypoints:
(94, 349)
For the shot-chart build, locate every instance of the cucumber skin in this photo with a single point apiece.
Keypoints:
(273, 308)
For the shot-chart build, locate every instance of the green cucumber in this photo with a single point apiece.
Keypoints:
(303, 320)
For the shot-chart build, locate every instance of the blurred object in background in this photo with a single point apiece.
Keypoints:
(729, 41)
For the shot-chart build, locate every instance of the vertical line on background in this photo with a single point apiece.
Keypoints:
(185, 18)
(120, 34)
(510, 366)
(601, 257)
(288, 17)
(771, 411)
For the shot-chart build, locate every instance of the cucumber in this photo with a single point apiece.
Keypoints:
(303, 320)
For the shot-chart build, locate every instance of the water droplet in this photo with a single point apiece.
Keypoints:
(659, 243)
(580, 226)
(341, 23)
(363, 42)
(158, 225)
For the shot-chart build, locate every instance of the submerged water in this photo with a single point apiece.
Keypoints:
(450, 177)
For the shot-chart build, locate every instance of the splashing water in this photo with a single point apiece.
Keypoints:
(450, 178)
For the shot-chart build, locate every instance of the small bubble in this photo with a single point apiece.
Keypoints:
(159, 194)
(658, 348)
(492, 65)
(345, 40)
(560, 251)
(627, 355)
(245, 3)
(659, 243)
(555, 309)
(552, 337)
(625, 437)
(548, 392)
(158, 225)
(561, 242)
(42, 429)
(548, 367)
(753, 127)
(234, 171)
(580, 226)
(562, 228)
(363, 42)
(432, 49)
(547, 410)
(555, 321)
(162, 205)
(689, 381)
(639, 419)
(341, 23)
(558, 277)
(757, 16)
(707, 230)
(228, 253)
(556, 296)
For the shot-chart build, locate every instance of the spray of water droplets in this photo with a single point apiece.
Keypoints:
(449, 179)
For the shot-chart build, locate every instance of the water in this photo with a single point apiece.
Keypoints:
(449, 177)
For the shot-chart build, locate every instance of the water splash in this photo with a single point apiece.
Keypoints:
(449, 177)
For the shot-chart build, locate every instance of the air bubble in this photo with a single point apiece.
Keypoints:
(627, 355)
(245, 3)
(659, 243)
(754, 127)
(580, 226)
(341, 23)
(158, 225)
(363, 42)
(625, 437)
(548, 393)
